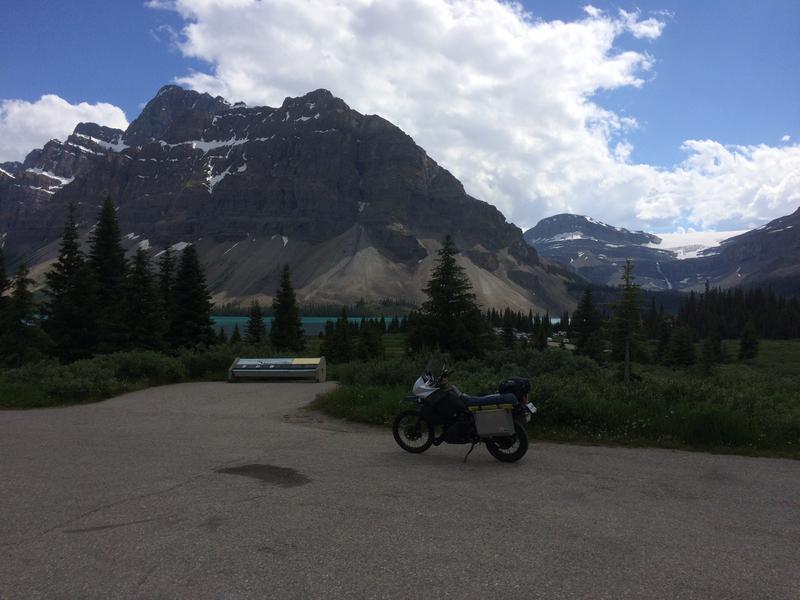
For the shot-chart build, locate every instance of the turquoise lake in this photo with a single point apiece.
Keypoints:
(311, 325)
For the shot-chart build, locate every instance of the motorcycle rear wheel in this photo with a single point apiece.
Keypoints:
(412, 432)
(511, 448)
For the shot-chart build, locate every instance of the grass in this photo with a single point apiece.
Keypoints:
(372, 404)
(749, 408)
(394, 345)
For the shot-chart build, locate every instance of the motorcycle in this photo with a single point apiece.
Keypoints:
(497, 420)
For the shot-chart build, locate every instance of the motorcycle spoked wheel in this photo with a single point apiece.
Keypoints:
(412, 433)
(510, 448)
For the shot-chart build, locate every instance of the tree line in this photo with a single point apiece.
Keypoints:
(623, 332)
(693, 336)
(101, 302)
(345, 340)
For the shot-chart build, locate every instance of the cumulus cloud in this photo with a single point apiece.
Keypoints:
(786, 138)
(27, 125)
(503, 99)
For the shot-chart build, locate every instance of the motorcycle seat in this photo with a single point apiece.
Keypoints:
(490, 399)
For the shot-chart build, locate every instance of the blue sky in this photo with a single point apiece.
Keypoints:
(725, 71)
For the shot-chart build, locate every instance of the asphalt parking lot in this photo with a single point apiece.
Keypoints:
(215, 490)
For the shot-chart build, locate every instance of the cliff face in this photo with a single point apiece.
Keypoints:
(348, 200)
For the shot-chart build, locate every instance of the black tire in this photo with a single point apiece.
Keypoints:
(511, 448)
(409, 426)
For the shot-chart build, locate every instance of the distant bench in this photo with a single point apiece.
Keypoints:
(277, 368)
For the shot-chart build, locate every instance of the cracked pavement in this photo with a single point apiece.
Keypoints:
(216, 490)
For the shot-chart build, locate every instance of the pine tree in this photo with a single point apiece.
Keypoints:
(652, 321)
(236, 336)
(328, 346)
(449, 319)
(109, 267)
(21, 339)
(508, 329)
(69, 298)
(221, 337)
(665, 327)
(370, 344)
(394, 325)
(166, 284)
(748, 344)
(342, 349)
(564, 325)
(680, 351)
(191, 324)
(626, 323)
(586, 323)
(142, 308)
(540, 338)
(708, 355)
(256, 332)
(287, 331)
(5, 285)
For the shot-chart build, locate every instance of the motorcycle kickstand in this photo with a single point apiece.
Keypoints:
(470, 451)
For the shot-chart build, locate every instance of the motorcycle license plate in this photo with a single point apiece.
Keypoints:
(531, 408)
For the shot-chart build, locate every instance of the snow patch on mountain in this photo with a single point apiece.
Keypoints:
(562, 237)
(63, 180)
(691, 244)
(116, 146)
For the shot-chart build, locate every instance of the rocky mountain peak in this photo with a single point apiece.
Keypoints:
(170, 106)
(98, 132)
(313, 103)
(567, 226)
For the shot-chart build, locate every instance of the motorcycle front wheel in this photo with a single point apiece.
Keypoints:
(411, 432)
(510, 448)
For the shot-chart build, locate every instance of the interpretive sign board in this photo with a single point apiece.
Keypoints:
(277, 368)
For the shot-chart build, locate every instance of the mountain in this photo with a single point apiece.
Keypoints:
(769, 255)
(348, 200)
(598, 251)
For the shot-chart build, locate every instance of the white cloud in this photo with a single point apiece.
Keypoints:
(27, 125)
(502, 99)
(786, 138)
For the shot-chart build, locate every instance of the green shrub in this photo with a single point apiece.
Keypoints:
(402, 372)
(22, 395)
(211, 363)
(48, 383)
(144, 365)
(376, 405)
(82, 381)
